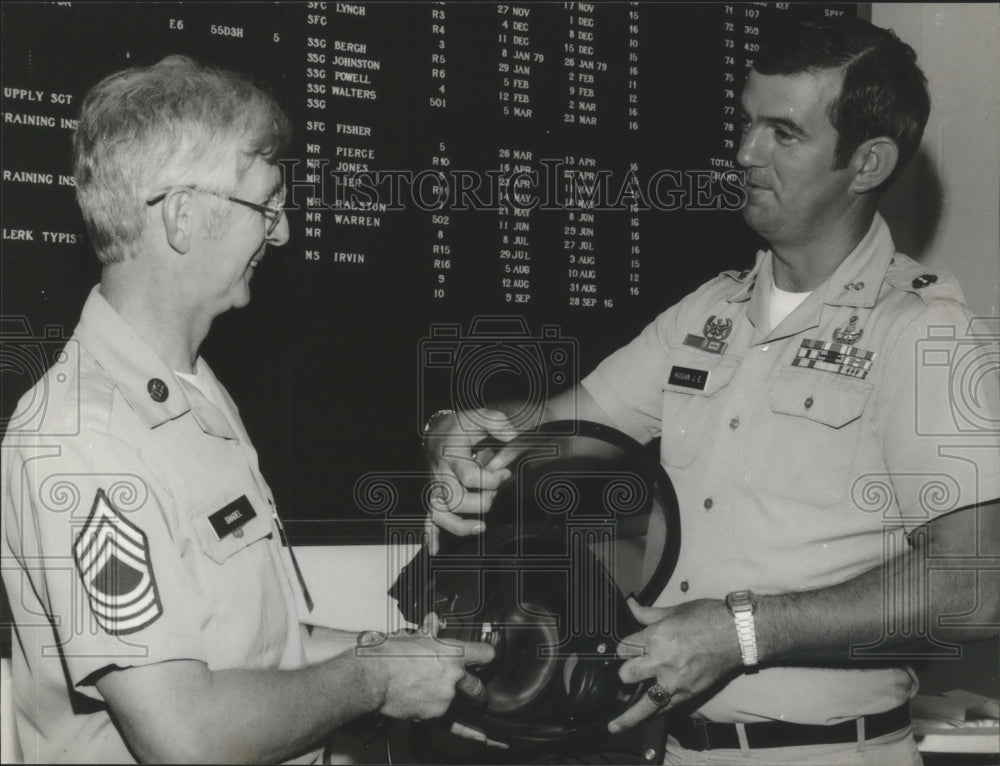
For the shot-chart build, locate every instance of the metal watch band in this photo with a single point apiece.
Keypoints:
(746, 633)
(742, 605)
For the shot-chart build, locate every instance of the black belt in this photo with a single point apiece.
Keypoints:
(695, 734)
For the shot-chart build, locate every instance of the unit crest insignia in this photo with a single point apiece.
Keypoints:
(718, 329)
(848, 335)
(714, 338)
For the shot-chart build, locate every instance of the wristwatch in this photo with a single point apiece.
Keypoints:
(742, 605)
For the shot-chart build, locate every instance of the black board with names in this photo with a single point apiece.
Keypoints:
(484, 201)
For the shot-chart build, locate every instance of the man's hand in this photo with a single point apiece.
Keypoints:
(687, 648)
(420, 672)
(467, 473)
(182, 712)
(465, 477)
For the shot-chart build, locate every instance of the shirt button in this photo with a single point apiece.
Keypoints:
(684, 586)
(708, 503)
(765, 347)
(734, 423)
(808, 402)
(238, 533)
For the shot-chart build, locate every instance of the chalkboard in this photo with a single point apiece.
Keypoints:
(485, 200)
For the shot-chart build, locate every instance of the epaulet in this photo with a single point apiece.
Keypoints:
(96, 398)
(906, 274)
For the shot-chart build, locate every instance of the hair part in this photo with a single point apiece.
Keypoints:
(884, 92)
(176, 123)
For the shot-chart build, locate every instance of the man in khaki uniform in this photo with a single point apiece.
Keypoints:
(822, 456)
(158, 611)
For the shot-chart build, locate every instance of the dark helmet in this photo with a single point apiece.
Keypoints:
(584, 521)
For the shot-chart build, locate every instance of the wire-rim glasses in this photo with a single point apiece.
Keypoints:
(272, 211)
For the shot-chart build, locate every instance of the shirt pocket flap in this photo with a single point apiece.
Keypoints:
(232, 540)
(695, 374)
(828, 398)
(689, 410)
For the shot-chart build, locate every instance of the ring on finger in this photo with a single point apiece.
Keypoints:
(658, 695)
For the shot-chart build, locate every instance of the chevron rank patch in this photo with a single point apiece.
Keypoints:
(112, 557)
(840, 358)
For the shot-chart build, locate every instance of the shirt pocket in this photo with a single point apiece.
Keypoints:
(811, 435)
(689, 412)
(247, 621)
(220, 549)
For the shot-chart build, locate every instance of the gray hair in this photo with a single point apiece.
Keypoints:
(176, 123)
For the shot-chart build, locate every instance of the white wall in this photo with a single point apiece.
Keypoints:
(945, 210)
(350, 583)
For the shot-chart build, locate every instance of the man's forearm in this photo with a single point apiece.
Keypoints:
(183, 712)
(893, 609)
(891, 612)
(322, 643)
(296, 710)
(575, 403)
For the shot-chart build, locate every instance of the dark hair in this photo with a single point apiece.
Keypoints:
(884, 92)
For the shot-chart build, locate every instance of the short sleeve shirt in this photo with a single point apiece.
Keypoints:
(137, 529)
(802, 455)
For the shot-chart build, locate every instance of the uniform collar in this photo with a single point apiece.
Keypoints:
(755, 286)
(149, 386)
(208, 416)
(856, 281)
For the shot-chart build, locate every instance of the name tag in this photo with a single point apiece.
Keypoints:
(688, 377)
(228, 519)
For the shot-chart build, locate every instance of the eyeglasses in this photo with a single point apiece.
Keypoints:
(272, 211)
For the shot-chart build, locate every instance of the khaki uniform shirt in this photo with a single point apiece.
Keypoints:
(801, 455)
(136, 529)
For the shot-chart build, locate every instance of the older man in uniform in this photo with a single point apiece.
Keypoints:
(158, 610)
(819, 468)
